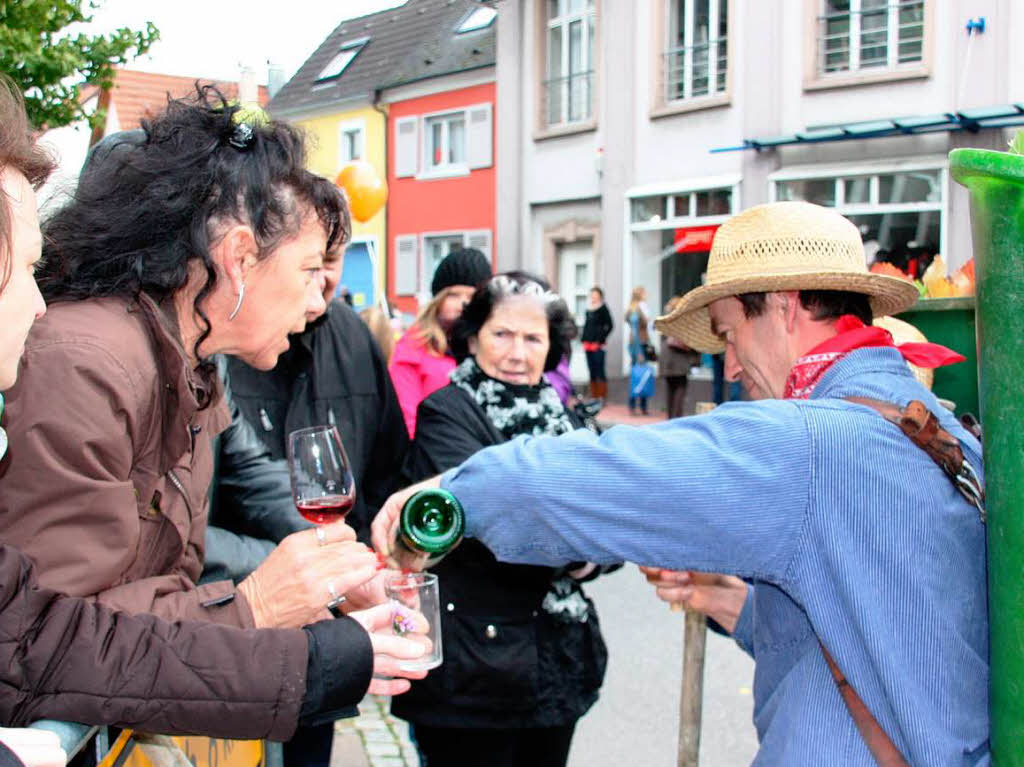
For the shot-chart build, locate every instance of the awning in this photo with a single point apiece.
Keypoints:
(971, 120)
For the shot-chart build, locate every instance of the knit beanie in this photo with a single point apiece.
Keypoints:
(461, 267)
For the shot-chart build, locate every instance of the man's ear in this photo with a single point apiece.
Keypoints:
(234, 254)
(789, 304)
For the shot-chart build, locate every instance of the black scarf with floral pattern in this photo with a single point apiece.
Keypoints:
(514, 409)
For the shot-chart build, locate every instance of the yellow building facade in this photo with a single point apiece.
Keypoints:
(334, 140)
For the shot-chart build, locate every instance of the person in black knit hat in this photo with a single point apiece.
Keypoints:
(421, 362)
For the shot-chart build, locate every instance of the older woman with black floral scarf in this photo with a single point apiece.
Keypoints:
(524, 657)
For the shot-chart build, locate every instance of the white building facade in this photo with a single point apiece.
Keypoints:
(612, 115)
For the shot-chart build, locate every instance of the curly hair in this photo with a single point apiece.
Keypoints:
(561, 326)
(148, 204)
(19, 152)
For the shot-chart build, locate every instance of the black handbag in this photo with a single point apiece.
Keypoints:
(649, 353)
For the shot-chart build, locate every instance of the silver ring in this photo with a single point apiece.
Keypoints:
(335, 599)
(321, 536)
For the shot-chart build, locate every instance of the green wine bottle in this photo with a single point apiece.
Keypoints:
(430, 525)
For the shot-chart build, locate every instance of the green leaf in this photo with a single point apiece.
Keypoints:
(50, 65)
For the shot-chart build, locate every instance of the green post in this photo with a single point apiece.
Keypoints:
(995, 181)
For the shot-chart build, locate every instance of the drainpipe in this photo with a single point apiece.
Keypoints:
(383, 294)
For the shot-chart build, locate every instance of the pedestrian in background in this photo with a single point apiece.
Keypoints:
(638, 320)
(597, 326)
(524, 657)
(421, 362)
(380, 327)
(674, 363)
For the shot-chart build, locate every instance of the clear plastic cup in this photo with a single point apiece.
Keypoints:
(414, 597)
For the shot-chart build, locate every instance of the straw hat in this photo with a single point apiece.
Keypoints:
(902, 333)
(776, 247)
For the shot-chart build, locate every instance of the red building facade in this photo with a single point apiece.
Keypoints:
(442, 181)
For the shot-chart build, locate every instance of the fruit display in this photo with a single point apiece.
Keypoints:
(935, 282)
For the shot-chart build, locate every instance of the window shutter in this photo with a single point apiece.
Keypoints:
(481, 240)
(407, 154)
(407, 264)
(479, 133)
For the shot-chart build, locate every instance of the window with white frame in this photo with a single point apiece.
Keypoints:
(418, 256)
(869, 35)
(899, 212)
(352, 140)
(445, 144)
(569, 78)
(445, 137)
(340, 61)
(696, 57)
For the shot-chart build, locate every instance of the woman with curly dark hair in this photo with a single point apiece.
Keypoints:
(205, 236)
(524, 657)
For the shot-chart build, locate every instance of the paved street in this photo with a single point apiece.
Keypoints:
(636, 720)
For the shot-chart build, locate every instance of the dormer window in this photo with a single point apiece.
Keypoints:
(341, 60)
(481, 18)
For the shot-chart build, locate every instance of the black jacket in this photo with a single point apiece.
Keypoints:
(598, 325)
(507, 661)
(333, 373)
(251, 507)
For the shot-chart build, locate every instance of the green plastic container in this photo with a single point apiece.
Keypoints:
(995, 181)
(950, 322)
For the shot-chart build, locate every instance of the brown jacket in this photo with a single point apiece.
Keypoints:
(105, 485)
(64, 658)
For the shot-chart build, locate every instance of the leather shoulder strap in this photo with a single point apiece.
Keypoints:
(923, 429)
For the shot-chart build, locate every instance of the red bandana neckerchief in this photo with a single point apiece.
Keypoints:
(854, 334)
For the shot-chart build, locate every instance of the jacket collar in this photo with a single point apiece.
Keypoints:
(185, 392)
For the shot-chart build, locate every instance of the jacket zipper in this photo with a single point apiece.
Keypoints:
(181, 489)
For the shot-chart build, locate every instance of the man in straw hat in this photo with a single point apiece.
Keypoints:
(858, 547)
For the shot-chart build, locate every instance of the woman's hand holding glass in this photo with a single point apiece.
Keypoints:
(391, 652)
(306, 571)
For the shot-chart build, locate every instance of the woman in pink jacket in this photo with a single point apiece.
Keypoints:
(421, 363)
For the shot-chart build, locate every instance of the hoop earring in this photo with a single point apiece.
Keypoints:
(241, 296)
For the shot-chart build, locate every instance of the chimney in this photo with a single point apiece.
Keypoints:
(248, 88)
(275, 78)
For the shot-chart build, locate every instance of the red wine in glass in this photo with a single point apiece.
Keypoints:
(322, 485)
(324, 511)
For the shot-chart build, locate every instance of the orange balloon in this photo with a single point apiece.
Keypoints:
(366, 190)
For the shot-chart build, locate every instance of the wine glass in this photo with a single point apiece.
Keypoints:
(322, 483)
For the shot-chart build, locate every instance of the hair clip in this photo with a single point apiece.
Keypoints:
(242, 137)
(504, 285)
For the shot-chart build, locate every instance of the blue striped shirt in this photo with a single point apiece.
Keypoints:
(849, 532)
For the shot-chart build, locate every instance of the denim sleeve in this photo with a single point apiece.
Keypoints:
(743, 632)
(724, 492)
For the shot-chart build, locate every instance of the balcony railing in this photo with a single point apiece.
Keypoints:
(569, 100)
(696, 70)
(872, 38)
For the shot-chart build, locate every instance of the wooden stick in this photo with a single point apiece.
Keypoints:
(691, 700)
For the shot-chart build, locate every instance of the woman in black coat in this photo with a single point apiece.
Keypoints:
(596, 328)
(524, 657)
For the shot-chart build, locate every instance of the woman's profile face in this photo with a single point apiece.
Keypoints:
(280, 292)
(454, 301)
(513, 343)
(20, 302)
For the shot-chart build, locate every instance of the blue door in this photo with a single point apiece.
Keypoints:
(357, 275)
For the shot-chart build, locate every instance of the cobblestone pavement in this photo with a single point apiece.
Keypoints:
(373, 739)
